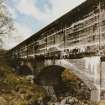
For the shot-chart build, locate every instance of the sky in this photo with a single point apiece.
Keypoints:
(29, 16)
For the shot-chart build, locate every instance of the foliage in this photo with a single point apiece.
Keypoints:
(6, 24)
(15, 89)
(74, 86)
(68, 75)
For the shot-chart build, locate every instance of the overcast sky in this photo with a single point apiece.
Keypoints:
(29, 16)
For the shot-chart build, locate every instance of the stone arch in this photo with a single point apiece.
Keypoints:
(52, 74)
(67, 65)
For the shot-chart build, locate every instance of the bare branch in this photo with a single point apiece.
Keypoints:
(6, 24)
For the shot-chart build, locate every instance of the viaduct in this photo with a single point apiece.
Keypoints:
(75, 41)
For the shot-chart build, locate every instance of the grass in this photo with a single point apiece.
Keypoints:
(15, 89)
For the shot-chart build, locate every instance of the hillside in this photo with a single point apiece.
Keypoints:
(15, 89)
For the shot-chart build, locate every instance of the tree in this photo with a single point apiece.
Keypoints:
(5, 21)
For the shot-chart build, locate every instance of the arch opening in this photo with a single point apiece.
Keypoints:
(62, 83)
